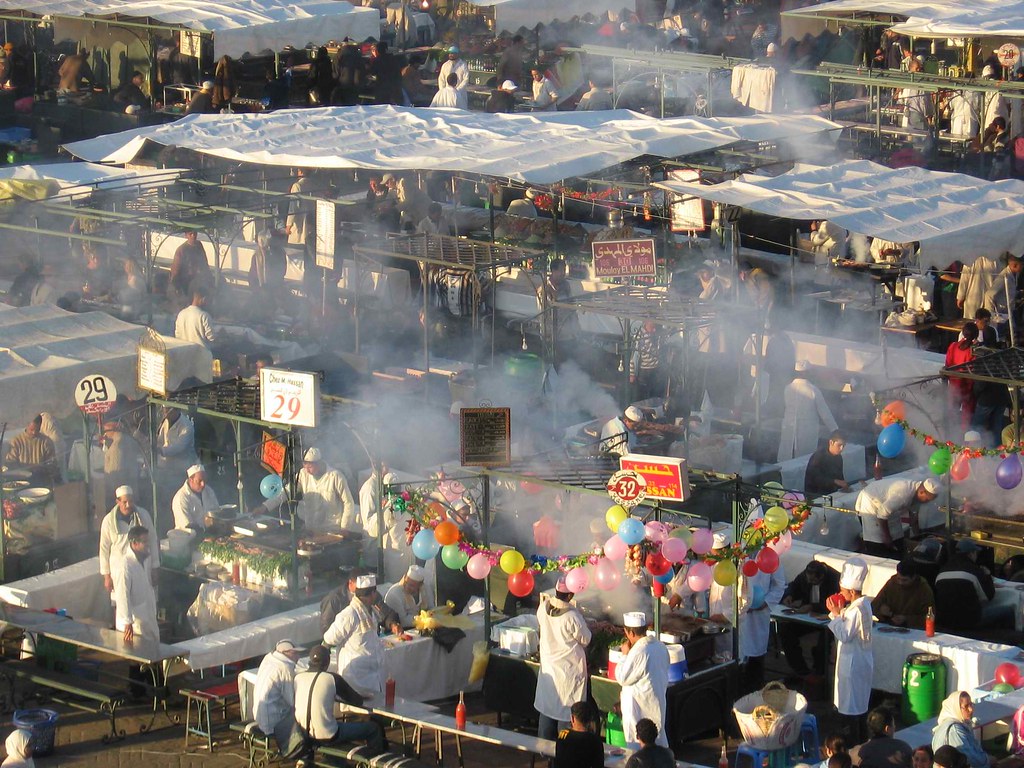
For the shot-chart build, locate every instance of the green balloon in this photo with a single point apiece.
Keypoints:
(1003, 688)
(454, 557)
(941, 460)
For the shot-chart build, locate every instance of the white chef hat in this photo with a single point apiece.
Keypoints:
(366, 581)
(772, 48)
(855, 571)
(634, 414)
(312, 454)
(194, 470)
(390, 478)
(415, 573)
(972, 436)
(285, 645)
(123, 490)
(634, 620)
(932, 485)
(721, 539)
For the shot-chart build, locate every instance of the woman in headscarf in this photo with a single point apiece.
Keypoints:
(955, 729)
(19, 749)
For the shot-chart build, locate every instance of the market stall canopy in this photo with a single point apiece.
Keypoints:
(952, 215)
(237, 25)
(540, 148)
(938, 18)
(45, 352)
(510, 15)
(77, 179)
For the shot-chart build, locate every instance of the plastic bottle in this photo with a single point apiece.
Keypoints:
(460, 713)
(236, 573)
(723, 759)
(389, 692)
(929, 622)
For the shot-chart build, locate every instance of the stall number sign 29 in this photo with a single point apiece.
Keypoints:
(627, 488)
(95, 394)
(289, 397)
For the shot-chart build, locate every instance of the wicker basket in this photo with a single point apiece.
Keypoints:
(775, 695)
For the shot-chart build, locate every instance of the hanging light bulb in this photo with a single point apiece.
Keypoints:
(524, 342)
(824, 524)
(621, 369)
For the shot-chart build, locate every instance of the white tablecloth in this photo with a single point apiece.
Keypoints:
(78, 587)
(971, 662)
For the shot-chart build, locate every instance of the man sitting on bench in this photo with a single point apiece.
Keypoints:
(315, 693)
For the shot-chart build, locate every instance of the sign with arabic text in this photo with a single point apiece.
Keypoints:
(624, 258)
(627, 488)
(666, 476)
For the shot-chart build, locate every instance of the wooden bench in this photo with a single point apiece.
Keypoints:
(70, 690)
(359, 756)
(261, 747)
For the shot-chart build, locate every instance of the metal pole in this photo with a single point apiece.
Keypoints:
(292, 505)
(657, 600)
(88, 471)
(487, 543)
(238, 465)
(152, 462)
(1009, 311)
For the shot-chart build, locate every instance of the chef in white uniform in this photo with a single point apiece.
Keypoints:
(806, 410)
(643, 675)
(326, 499)
(175, 441)
(851, 625)
(134, 598)
(194, 501)
(273, 696)
(354, 632)
(562, 681)
(408, 597)
(114, 535)
(618, 435)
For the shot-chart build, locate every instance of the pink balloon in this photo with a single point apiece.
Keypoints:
(698, 577)
(576, 580)
(784, 543)
(478, 566)
(655, 531)
(791, 499)
(606, 574)
(674, 550)
(615, 548)
(703, 540)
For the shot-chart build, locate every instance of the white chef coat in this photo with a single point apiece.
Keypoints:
(878, 245)
(995, 296)
(545, 97)
(194, 324)
(616, 439)
(460, 68)
(176, 444)
(371, 510)
(754, 625)
(643, 675)
(805, 407)
(326, 501)
(134, 598)
(963, 114)
(855, 663)
(995, 106)
(915, 108)
(883, 502)
(273, 696)
(190, 508)
(114, 539)
(402, 603)
(828, 242)
(451, 97)
(360, 652)
(49, 428)
(975, 280)
(564, 636)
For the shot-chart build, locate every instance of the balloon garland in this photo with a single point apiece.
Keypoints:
(889, 418)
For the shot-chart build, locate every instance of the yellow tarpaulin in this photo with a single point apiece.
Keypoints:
(12, 190)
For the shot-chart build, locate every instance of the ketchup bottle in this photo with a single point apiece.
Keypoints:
(460, 713)
(389, 692)
(929, 623)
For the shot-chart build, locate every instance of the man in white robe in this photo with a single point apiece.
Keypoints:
(643, 675)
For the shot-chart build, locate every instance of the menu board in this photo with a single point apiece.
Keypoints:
(485, 437)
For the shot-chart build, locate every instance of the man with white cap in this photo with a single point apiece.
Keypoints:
(194, 501)
(643, 675)
(201, 102)
(882, 506)
(114, 529)
(273, 697)
(618, 435)
(325, 499)
(375, 510)
(562, 680)
(850, 622)
(354, 632)
(407, 597)
(806, 412)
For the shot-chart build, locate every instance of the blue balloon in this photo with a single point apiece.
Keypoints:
(756, 598)
(270, 486)
(891, 441)
(631, 531)
(424, 545)
(665, 578)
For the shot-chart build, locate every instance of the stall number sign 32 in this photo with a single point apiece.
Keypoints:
(627, 488)
(95, 394)
(289, 397)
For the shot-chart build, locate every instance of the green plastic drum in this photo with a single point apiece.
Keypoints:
(613, 733)
(924, 687)
(525, 367)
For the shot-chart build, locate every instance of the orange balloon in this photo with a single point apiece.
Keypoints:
(446, 533)
(893, 412)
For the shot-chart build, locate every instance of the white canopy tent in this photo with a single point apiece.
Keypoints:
(77, 179)
(237, 25)
(46, 351)
(931, 19)
(950, 214)
(510, 15)
(539, 148)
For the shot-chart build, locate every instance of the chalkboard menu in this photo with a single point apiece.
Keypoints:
(485, 437)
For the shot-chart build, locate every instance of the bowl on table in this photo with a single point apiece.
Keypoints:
(33, 496)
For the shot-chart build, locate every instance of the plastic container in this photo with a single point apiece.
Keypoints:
(42, 724)
(613, 733)
(924, 687)
(677, 668)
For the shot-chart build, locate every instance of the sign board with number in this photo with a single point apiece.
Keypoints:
(152, 374)
(95, 394)
(324, 252)
(665, 476)
(627, 488)
(1008, 55)
(289, 397)
(272, 454)
(485, 437)
(624, 258)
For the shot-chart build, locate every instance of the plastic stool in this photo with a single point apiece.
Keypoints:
(748, 756)
(807, 748)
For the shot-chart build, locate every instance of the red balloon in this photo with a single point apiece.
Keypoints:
(768, 560)
(521, 584)
(750, 568)
(1008, 673)
(657, 564)
(961, 468)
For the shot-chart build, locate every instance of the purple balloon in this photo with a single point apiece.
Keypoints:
(1008, 473)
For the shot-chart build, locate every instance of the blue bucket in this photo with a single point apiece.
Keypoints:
(42, 724)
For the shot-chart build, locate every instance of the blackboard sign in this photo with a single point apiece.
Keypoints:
(485, 437)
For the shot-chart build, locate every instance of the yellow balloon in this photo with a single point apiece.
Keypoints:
(776, 519)
(615, 516)
(725, 573)
(511, 562)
